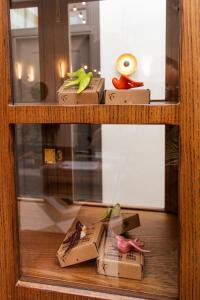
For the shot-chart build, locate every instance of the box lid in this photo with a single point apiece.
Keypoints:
(124, 223)
(85, 249)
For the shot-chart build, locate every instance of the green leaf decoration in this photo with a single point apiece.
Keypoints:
(116, 211)
(106, 216)
(79, 78)
(111, 213)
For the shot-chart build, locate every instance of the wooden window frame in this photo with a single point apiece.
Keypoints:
(184, 114)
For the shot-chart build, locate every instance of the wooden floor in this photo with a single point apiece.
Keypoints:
(158, 230)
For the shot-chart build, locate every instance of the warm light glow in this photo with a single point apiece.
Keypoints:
(84, 3)
(95, 70)
(62, 69)
(85, 67)
(74, 9)
(99, 72)
(19, 70)
(80, 15)
(84, 22)
(31, 74)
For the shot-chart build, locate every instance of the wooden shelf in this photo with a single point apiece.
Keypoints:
(159, 232)
(155, 113)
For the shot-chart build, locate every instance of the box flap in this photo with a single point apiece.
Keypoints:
(85, 249)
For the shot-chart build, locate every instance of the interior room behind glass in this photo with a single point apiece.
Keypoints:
(50, 40)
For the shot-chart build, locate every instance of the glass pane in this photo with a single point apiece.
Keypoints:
(24, 18)
(95, 182)
(48, 41)
(77, 14)
(25, 54)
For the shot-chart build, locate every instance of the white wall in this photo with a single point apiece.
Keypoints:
(133, 156)
(133, 169)
(138, 27)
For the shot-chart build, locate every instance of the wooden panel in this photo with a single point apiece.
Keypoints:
(159, 231)
(29, 291)
(190, 156)
(95, 114)
(171, 168)
(172, 50)
(8, 266)
(190, 152)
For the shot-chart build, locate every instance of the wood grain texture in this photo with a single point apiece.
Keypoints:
(189, 120)
(172, 51)
(171, 169)
(27, 290)
(159, 231)
(95, 114)
(8, 255)
(190, 152)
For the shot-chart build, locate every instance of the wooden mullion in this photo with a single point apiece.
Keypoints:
(190, 152)
(8, 205)
(94, 114)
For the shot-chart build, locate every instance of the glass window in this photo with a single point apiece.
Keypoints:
(22, 18)
(25, 55)
(91, 184)
(51, 40)
(78, 14)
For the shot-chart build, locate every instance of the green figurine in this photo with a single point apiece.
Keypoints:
(79, 78)
(111, 213)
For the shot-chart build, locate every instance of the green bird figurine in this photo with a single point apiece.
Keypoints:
(79, 78)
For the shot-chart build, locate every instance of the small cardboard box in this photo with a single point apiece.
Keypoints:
(133, 96)
(85, 249)
(112, 263)
(123, 223)
(92, 95)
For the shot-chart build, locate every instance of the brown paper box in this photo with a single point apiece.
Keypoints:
(123, 223)
(92, 95)
(127, 96)
(112, 263)
(85, 249)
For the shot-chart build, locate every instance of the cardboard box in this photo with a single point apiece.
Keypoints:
(123, 223)
(134, 96)
(92, 95)
(112, 263)
(87, 248)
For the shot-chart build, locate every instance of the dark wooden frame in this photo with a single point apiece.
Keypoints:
(184, 114)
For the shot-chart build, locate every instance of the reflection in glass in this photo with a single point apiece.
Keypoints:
(25, 54)
(100, 164)
(22, 18)
(77, 14)
(49, 40)
(67, 176)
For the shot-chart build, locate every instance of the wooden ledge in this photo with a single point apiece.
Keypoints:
(155, 113)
